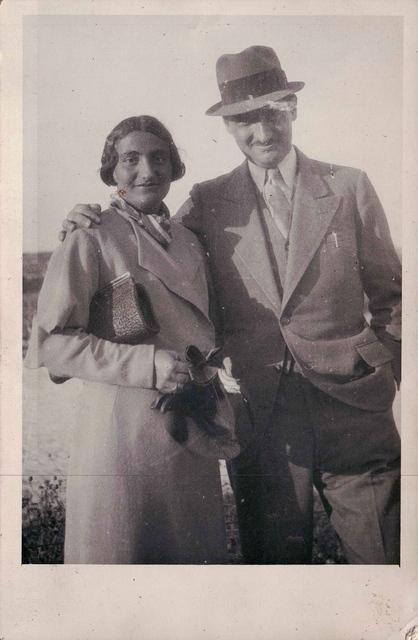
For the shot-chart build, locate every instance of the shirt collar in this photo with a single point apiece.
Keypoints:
(287, 168)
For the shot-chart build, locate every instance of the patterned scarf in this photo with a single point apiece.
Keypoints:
(157, 225)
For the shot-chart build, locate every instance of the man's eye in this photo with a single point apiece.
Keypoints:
(129, 160)
(160, 159)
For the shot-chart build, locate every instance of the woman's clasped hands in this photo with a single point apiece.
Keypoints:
(171, 371)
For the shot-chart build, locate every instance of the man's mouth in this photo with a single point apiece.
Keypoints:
(266, 147)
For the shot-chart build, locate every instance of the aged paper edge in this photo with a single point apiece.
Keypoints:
(194, 602)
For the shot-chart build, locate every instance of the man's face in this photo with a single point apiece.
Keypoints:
(265, 135)
(143, 172)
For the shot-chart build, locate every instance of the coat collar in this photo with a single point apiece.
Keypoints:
(179, 266)
(239, 186)
(313, 210)
(240, 221)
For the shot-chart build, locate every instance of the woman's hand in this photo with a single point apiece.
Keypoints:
(82, 215)
(171, 371)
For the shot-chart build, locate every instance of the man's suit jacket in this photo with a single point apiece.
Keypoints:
(340, 252)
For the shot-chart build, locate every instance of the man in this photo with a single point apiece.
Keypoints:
(294, 248)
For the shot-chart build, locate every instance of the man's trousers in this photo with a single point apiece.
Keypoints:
(350, 455)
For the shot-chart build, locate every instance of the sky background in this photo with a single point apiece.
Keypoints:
(83, 74)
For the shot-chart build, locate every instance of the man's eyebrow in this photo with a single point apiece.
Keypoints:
(129, 153)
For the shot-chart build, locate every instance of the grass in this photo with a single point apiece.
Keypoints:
(43, 526)
(43, 521)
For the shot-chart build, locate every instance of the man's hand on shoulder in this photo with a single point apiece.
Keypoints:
(80, 216)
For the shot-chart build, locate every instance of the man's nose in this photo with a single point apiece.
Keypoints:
(263, 131)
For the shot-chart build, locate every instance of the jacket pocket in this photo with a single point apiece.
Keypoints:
(374, 353)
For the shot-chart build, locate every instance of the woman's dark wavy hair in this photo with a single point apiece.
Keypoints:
(137, 123)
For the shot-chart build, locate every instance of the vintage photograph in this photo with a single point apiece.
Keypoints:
(209, 379)
(205, 211)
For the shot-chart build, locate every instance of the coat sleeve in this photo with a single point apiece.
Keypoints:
(380, 268)
(59, 339)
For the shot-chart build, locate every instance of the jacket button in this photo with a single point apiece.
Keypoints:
(285, 320)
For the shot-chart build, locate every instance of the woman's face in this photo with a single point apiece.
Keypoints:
(143, 172)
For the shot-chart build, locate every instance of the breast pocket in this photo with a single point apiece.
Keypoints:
(339, 256)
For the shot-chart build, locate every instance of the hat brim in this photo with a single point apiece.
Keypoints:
(221, 109)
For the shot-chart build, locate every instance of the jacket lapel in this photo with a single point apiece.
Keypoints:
(241, 226)
(179, 267)
(313, 210)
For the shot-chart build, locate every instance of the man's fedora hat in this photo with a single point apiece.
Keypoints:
(249, 80)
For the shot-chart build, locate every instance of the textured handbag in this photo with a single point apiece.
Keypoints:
(122, 312)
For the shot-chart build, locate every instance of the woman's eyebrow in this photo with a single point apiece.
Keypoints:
(158, 152)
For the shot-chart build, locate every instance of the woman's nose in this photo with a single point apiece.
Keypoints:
(145, 168)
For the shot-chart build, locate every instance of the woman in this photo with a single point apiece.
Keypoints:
(135, 493)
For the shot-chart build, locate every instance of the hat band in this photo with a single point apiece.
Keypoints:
(249, 87)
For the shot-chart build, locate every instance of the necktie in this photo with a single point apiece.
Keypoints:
(276, 195)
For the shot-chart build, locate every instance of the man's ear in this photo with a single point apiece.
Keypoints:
(294, 109)
(226, 123)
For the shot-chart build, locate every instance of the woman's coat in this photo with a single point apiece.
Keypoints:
(134, 495)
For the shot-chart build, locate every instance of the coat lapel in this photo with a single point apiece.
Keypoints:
(179, 267)
(241, 226)
(313, 210)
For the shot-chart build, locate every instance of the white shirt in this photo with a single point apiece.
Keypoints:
(287, 168)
